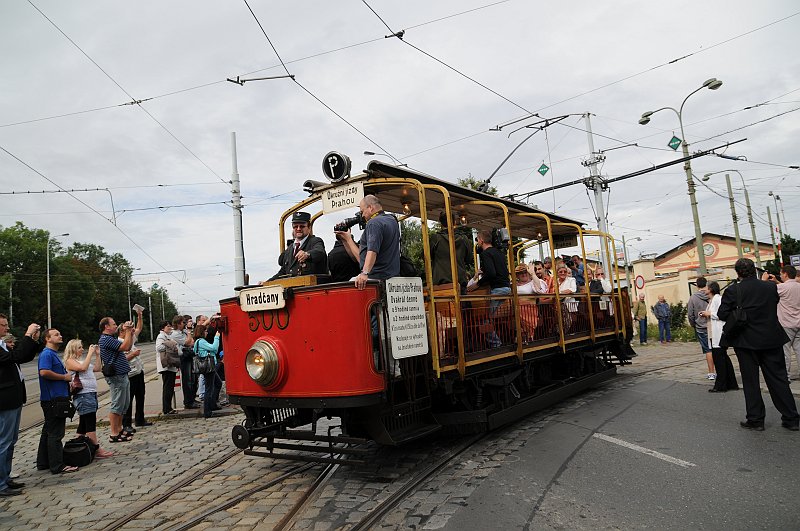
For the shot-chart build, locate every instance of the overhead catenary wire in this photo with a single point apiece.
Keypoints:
(125, 234)
(293, 78)
(400, 36)
(133, 101)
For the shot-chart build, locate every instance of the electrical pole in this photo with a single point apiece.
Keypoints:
(772, 233)
(150, 312)
(238, 243)
(733, 216)
(596, 183)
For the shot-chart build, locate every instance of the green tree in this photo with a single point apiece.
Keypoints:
(86, 284)
(789, 246)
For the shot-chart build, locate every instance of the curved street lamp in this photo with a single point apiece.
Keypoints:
(776, 197)
(733, 213)
(49, 239)
(711, 84)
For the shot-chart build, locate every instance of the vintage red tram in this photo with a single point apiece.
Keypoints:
(301, 349)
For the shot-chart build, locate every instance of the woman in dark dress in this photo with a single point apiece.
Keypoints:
(726, 378)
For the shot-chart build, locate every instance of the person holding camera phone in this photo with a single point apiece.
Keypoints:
(116, 366)
(12, 397)
(53, 393)
(85, 400)
(136, 378)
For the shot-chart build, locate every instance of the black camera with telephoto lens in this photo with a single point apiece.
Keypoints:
(346, 223)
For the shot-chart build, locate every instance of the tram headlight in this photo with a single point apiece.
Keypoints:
(262, 363)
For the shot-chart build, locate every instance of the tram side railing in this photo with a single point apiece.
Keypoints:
(489, 334)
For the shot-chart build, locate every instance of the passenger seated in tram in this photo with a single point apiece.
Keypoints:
(528, 284)
(599, 288)
(440, 255)
(567, 286)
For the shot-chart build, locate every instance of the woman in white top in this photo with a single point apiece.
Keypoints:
(726, 378)
(85, 401)
(567, 286)
(167, 348)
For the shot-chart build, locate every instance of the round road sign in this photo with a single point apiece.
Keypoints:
(639, 282)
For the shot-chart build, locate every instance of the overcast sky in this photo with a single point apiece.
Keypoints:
(66, 80)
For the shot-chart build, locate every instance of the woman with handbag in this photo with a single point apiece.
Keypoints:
(168, 362)
(84, 390)
(205, 362)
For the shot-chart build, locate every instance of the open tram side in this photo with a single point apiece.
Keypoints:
(316, 356)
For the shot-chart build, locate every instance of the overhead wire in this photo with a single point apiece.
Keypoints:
(133, 101)
(400, 36)
(125, 234)
(293, 78)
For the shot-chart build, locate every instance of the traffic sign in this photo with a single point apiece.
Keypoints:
(794, 259)
(674, 142)
(543, 169)
(336, 166)
(639, 282)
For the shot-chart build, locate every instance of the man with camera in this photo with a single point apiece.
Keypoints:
(116, 367)
(54, 398)
(12, 397)
(306, 254)
(788, 310)
(378, 250)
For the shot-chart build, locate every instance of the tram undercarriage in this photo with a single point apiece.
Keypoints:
(417, 405)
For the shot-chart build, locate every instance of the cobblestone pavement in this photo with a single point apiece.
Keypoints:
(163, 454)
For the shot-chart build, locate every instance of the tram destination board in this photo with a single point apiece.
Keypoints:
(262, 298)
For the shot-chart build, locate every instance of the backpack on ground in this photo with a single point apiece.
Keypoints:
(79, 451)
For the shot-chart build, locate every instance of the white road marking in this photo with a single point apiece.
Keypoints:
(647, 451)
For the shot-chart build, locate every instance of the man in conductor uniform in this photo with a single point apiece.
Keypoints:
(759, 345)
(306, 254)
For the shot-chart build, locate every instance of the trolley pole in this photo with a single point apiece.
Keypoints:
(596, 183)
(238, 243)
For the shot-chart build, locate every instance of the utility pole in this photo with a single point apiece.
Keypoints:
(596, 183)
(772, 232)
(238, 243)
(150, 312)
(627, 269)
(11, 299)
(752, 225)
(733, 216)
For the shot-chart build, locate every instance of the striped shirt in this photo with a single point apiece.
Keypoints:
(109, 349)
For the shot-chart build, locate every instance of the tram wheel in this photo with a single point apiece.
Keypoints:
(241, 437)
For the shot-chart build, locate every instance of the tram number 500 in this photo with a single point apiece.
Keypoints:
(267, 319)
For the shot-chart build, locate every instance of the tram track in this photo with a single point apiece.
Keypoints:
(164, 496)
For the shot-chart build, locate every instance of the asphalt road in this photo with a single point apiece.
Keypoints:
(656, 454)
(32, 413)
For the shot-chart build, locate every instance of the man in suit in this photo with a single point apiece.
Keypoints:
(306, 254)
(759, 345)
(12, 397)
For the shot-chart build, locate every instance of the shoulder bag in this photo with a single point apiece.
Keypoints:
(737, 320)
(75, 386)
(204, 365)
(62, 407)
(108, 369)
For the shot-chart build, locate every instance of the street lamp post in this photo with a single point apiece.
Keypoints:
(712, 84)
(775, 198)
(49, 239)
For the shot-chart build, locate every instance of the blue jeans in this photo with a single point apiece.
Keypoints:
(9, 431)
(494, 339)
(702, 338)
(643, 330)
(663, 330)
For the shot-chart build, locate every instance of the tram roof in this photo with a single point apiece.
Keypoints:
(393, 197)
